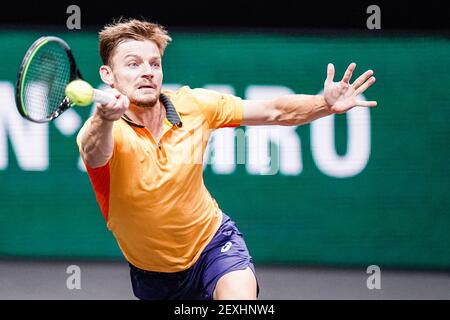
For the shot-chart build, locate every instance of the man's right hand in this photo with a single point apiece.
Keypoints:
(113, 110)
(96, 136)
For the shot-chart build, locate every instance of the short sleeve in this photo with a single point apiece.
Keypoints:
(220, 110)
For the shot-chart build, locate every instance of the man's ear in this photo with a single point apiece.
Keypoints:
(107, 76)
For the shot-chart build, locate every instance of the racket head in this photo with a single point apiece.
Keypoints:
(46, 69)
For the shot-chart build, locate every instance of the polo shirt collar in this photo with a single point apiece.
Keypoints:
(172, 115)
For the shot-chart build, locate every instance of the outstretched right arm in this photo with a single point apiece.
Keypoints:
(96, 140)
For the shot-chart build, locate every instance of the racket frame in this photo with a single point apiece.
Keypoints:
(74, 74)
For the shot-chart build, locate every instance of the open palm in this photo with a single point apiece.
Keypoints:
(342, 96)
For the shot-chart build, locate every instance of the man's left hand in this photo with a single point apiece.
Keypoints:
(342, 96)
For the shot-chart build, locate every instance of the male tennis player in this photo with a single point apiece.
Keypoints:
(144, 154)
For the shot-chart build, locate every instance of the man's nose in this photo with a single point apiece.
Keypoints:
(148, 70)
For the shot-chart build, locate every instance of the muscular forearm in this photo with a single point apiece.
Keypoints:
(97, 141)
(298, 109)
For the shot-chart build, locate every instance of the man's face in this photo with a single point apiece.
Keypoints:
(137, 71)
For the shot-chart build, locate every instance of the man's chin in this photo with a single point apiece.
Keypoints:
(145, 103)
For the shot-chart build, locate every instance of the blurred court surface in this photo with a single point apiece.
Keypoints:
(32, 279)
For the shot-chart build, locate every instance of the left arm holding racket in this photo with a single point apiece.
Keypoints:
(49, 83)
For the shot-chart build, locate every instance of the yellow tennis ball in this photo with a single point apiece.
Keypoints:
(80, 92)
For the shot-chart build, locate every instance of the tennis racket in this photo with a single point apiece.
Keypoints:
(47, 68)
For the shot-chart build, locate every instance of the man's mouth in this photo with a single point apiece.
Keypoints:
(147, 86)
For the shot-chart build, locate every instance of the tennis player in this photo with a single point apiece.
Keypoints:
(144, 152)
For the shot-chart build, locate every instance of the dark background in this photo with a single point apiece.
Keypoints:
(429, 16)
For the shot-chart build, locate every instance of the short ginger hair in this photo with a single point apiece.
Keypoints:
(117, 32)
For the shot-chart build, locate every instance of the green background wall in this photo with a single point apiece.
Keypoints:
(394, 212)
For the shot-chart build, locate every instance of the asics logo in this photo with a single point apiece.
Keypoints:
(226, 247)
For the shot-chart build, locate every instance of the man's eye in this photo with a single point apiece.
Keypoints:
(156, 65)
(133, 64)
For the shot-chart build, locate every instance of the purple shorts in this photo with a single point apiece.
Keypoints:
(225, 253)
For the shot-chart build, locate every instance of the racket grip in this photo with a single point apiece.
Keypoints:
(103, 97)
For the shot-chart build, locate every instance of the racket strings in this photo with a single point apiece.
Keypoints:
(47, 75)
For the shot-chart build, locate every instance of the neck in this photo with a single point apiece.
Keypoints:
(149, 117)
